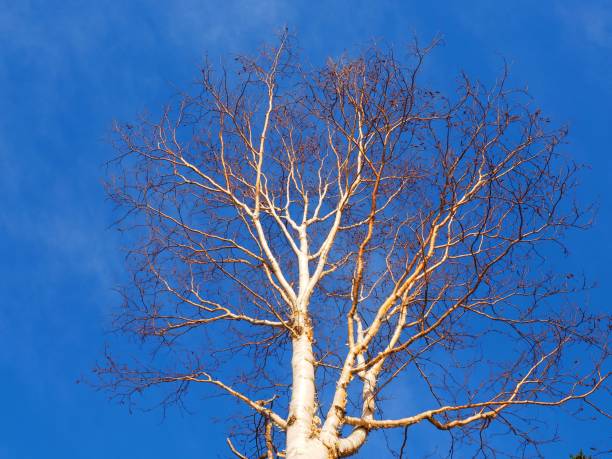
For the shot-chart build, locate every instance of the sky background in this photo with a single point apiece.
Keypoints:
(69, 68)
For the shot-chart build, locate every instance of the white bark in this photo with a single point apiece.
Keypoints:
(302, 441)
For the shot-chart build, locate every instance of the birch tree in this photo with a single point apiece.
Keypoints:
(309, 240)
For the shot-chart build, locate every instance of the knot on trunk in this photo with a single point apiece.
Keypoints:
(340, 411)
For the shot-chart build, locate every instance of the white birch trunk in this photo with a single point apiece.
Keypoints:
(302, 438)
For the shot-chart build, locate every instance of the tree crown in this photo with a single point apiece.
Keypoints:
(345, 232)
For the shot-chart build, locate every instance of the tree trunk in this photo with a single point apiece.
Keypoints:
(302, 441)
(311, 449)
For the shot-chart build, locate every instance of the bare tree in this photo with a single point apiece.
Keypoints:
(311, 239)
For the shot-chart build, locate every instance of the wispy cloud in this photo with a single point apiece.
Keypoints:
(590, 21)
(239, 24)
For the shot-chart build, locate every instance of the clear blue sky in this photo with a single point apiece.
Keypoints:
(68, 68)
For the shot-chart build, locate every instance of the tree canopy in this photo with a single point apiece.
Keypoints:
(311, 241)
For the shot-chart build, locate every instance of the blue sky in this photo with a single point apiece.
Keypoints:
(69, 68)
